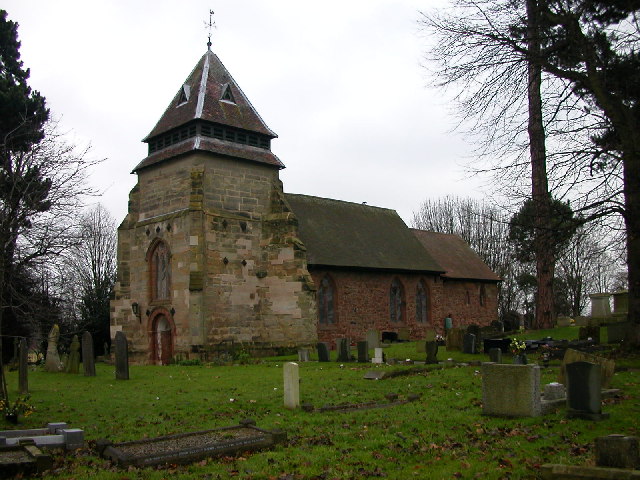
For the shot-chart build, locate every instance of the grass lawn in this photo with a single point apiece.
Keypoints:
(442, 435)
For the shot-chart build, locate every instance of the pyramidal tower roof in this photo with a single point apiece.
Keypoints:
(210, 112)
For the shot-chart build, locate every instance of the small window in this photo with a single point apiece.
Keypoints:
(227, 94)
(185, 93)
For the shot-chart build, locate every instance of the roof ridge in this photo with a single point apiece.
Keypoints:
(365, 205)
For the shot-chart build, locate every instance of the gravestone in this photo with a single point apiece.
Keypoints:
(344, 354)
(52, 362)
(363, 352)
(469, 343)
(73, 363)
(554, 391)
(563, 321)
(584, 393)
(303, 355)
(373, 338)
(323, 352)
(618, 451)
(122, 357)
(454, 339)
(291, 385)
(589, 332)
(511, 390)
(432, 351)
(374, 375)
(607, 366)
(88, 360)
(23, 368)
(616, 332)
(621, 302)
(600, 304)
(475, 329)
(378, 356)
(495, 355)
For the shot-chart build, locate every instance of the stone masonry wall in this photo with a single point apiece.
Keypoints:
(361, 303)
(236, 275)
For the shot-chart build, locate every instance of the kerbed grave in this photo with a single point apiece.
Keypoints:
(192, 446)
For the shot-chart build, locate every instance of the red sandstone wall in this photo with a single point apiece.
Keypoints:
(361, 303)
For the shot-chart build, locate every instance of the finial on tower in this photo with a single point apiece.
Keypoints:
(210, 26)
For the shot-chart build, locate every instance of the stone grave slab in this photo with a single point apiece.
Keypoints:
(607, 366)
(323, 352)
(190, 447)
(363, 352)
(454, 339)
(617, 451)
(303, 355)
(551, 471)
(373, 338)
(495, 355)
(584, 395)
(431, 349)
(469, 343)
(510, 390)
(374, 375)
(291, 378)
(88, 359)
(344, 350)
(23, 460)
(55, 435)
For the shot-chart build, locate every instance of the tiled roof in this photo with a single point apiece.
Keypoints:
(456, 257)
(203, 91)
(221, 147)
(344, 234)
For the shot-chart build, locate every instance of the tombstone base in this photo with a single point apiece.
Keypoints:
(586, 415)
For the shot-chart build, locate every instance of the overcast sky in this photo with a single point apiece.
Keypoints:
(340, 82)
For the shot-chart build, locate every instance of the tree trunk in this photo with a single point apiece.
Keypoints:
(545, 258)
(632, 224)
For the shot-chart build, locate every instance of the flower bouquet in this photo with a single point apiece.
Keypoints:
(19, 407)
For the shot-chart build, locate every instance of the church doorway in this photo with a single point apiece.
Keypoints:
(161, 339)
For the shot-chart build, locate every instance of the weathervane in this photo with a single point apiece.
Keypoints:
(209, 26)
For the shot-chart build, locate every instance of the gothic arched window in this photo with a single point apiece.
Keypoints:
(160, 272)
(326, 295)
(422, 303)
(396, 301)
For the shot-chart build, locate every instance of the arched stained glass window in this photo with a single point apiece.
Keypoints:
(396, 302)
(422, 303)
(326, 294)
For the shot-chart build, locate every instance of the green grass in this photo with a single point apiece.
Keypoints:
(442, 435)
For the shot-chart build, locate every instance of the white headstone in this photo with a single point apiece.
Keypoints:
(378, 356)
(291, 385)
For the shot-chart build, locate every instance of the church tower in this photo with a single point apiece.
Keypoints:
(208, 254)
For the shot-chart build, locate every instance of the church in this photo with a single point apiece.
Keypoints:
(213, 253)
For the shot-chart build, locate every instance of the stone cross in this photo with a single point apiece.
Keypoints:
(122, 357)
(23, 381)
(73, 364)
(291, 385)
(52, 362)
(88, 360)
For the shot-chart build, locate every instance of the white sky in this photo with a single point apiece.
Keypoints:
(339, 81)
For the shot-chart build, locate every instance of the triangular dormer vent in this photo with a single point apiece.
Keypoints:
(185, 93)
(227, 94)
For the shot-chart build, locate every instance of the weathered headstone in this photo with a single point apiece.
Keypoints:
(621, 302)
(432, 351)
(618, 451)
(88, 360)
(454, 339)
(554, 391)
(122, 357)
(584, 394)
(363, 352)
(344, 354)
(323, 352)
(23, 368)
(378, 356)
(52, 362)
(374, 375)
(291, 385)
(303, 355)
(73, 363)
(607, 366)
(616, 332)
(511, 390)
(589, 332)
(495, 355)
(373, 338)
(600, 304)
(469, 343)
